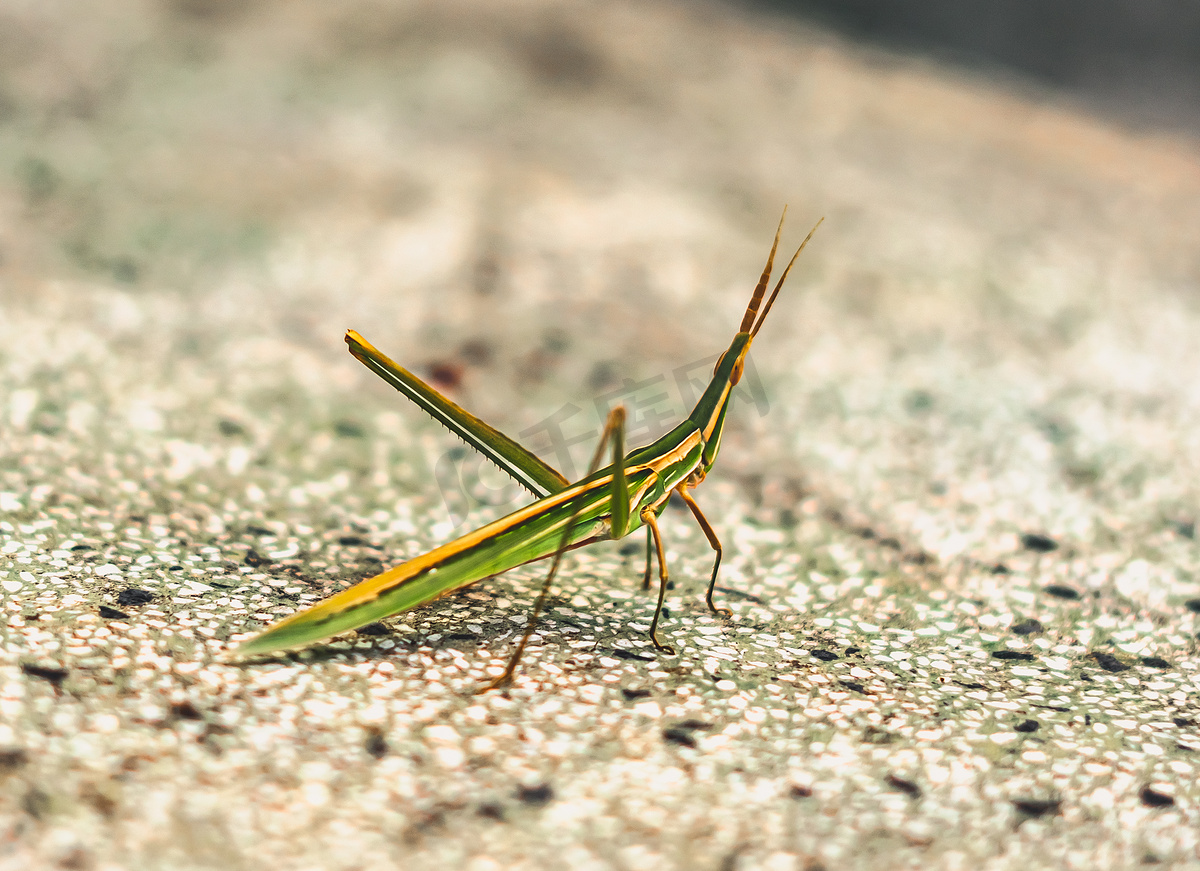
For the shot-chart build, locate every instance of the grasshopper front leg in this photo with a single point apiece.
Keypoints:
(713, 542)
(649, 557)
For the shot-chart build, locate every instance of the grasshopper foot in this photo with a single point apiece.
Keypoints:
(502, 682)
(660, 647)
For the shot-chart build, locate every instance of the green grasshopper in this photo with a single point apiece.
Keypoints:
(607, 503)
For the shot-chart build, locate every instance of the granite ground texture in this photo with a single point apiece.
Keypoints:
(958, 492)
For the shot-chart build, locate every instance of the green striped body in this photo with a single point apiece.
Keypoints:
(530, 533)
(608, 504)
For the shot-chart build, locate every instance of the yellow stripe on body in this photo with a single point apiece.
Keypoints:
(372, 588)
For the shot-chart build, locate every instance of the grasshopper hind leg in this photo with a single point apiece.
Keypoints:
(614, 433)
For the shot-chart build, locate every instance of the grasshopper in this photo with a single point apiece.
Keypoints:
(607, 503)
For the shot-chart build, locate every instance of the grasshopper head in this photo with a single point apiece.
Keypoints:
(709, 414)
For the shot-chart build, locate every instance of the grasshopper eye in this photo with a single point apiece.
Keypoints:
(736, 375)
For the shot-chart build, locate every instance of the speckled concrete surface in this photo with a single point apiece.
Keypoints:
(959, 517)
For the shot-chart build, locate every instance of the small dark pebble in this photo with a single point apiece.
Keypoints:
(100, 799)
(634, 693)
(853, 685)
(351, 540)
(435, 818)
(877, 736)
(798, 791)
(376, 745)
(693, 725)
(80, 547)
(678, 736)
(126, 271)
(1153, 798)
(491, 810)
(1013, 655)
(185, 710)
(903, 785)
(919, 401)
(258, 530)
(540, 794)
(348, 429)
(51, 673)
(1001, 569)
(1183, 722)
(1037, 807)
(36, 802)
(621, 653)
(851, 651)
(1028, 627)
(211, 729)
(1027, 726)
(77, 858)
(1155, 662)
(823, 655)
(254, 559)
(1062, 591)
(134, 596)
(478, 352)
(374, 629)
(1108, 662)
(230, 428)
(1038, 543)
(1193, 605)
(970, 685)
(629, 548)
(446, 374)
(12, 758)
(112, 613)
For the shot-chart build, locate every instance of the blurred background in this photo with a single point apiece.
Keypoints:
(110, 123)
(1138, 62)
(534, 203)
(530, 201)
